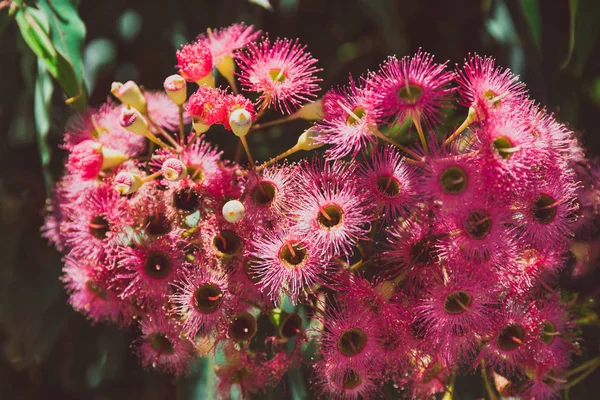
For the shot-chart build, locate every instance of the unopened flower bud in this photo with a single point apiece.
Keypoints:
(133, 121)
(233, 211)
(240, 121)
(307, 141)
(130, 95)
(127, 183)
(176, 88)
(173, 170)
(312, 111)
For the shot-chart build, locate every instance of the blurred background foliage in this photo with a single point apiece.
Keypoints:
(49, 54)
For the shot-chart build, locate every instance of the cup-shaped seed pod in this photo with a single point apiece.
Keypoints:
(176, 88)
(173, 170)
(127, 182)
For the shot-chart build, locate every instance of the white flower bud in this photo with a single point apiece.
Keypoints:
(133, 121)
(176, 88)
(127, 183)
(173, 170)
(240, 121)
(233, 211)
(307, 141)
(130, 95)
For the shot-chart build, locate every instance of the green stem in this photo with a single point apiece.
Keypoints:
(181, 129)
(279, 157)
(450, 390)
(381, 136)
(486, 380)
(581, 377)
(582, 367)
(280, 121)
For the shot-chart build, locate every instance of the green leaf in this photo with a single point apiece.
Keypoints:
(573, 6)
(34, 27)
(297, 384)
(42, 98)
(67, 32)
(200, 384)
(531, 11)
(502, 28)
(587, 31)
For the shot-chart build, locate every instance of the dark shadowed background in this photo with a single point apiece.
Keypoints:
(47, 351)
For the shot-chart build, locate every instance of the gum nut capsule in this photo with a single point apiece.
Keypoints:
(173, 170)
(233, 211)
(176, 89)
(129, 94)
(133, 121)
(127, 183)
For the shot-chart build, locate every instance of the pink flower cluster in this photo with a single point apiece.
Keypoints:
(403, 264)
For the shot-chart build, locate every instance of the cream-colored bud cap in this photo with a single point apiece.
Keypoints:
(240, 121)
(233, 211)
